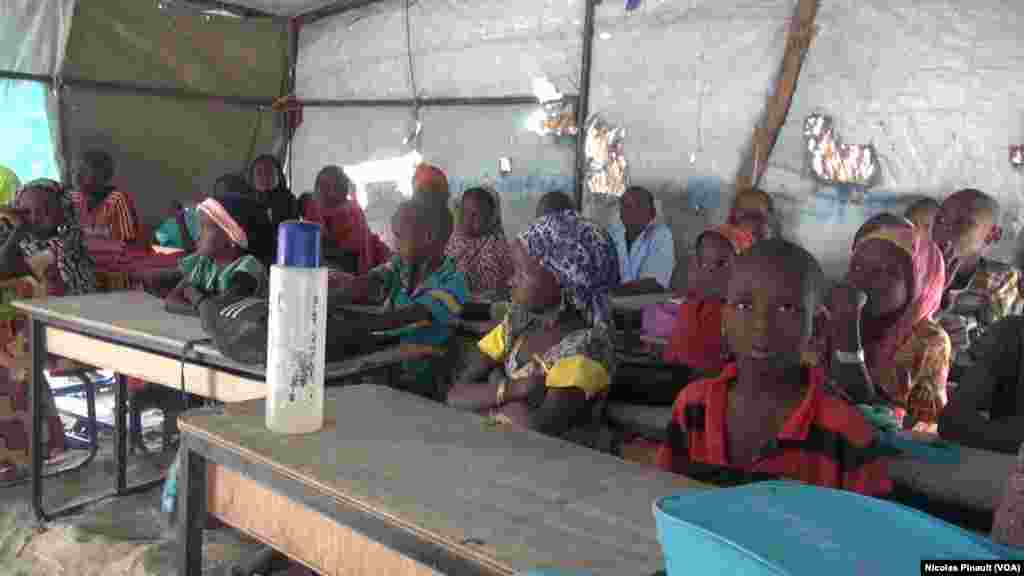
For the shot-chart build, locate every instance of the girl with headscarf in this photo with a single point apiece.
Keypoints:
(232, 255)
(266, 177)
(39, 238)
(478, 246)
(906, 354)
(348, 243)
(106, 214)
(551, 360)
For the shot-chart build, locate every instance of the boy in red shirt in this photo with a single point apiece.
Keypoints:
(768, 415)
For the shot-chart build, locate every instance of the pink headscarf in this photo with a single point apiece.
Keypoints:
(927, 284)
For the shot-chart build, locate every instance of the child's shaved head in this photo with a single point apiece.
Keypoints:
(792, 259)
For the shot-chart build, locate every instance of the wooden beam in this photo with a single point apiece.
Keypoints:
(766, 132)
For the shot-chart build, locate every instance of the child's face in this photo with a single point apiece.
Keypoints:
(213, 242)
(752, 213)
(264, 176)
(769, 312)
(476, 212)
(884, 273)
(410, 237)
(533, 285)
(87, 177)
(635, 210)
(43, 210)
(962, 228)
(330, 192)
(714, 258)
(923, 217)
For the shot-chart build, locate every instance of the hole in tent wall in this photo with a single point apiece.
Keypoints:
(853, 166)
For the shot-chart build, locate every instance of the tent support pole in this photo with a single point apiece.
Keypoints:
(582, 106)
(63, 116)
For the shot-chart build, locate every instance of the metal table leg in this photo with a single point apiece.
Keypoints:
(192, 505)
(37, 384)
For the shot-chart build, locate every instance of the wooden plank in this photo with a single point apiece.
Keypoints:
(133, 316)
(499, 495)
(153, 367)
(300, 533)
(641, 301)
(766, 132)
(976, 481)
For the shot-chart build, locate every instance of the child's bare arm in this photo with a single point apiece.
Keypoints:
(472, 390)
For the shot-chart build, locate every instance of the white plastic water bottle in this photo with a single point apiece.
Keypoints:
(296, 332)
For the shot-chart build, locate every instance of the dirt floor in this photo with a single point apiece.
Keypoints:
(128, 536)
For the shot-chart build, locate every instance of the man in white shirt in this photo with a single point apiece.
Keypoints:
(645, 248)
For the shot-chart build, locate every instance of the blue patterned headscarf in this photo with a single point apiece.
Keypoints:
(581, 256)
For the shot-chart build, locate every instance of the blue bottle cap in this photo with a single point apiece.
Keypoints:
(298, 244)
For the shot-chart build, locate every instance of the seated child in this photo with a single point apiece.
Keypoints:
(980, 291)
(479, 247)
(348, 243)
(420, 288)
(906, 354)
(754, 210)
(695, 343)
(551, 360)
(39, 237)
(181, 228)
(986, 411)
(232, 255)
(552, 202)
(696, 339)
(107, 215)
(922, 213)
(768, 414)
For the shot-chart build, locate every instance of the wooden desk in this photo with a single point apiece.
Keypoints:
(975, 482)
(632, 306)
(639, 302)
(396, 484)
(131, 334)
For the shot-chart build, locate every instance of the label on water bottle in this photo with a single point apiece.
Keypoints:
(301, 361)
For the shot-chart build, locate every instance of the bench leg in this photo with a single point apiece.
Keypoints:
(192, 507)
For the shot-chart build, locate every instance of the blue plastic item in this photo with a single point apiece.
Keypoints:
(792, 529)
(298, 244)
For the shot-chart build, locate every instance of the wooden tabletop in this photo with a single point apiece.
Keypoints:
(139, 319)
(517, 498)
(639, 302)
(976, 481)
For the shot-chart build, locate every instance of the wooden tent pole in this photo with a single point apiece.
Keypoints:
(798, 41)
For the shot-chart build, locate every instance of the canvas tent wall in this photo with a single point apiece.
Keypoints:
(135, 76)
(931, 84)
